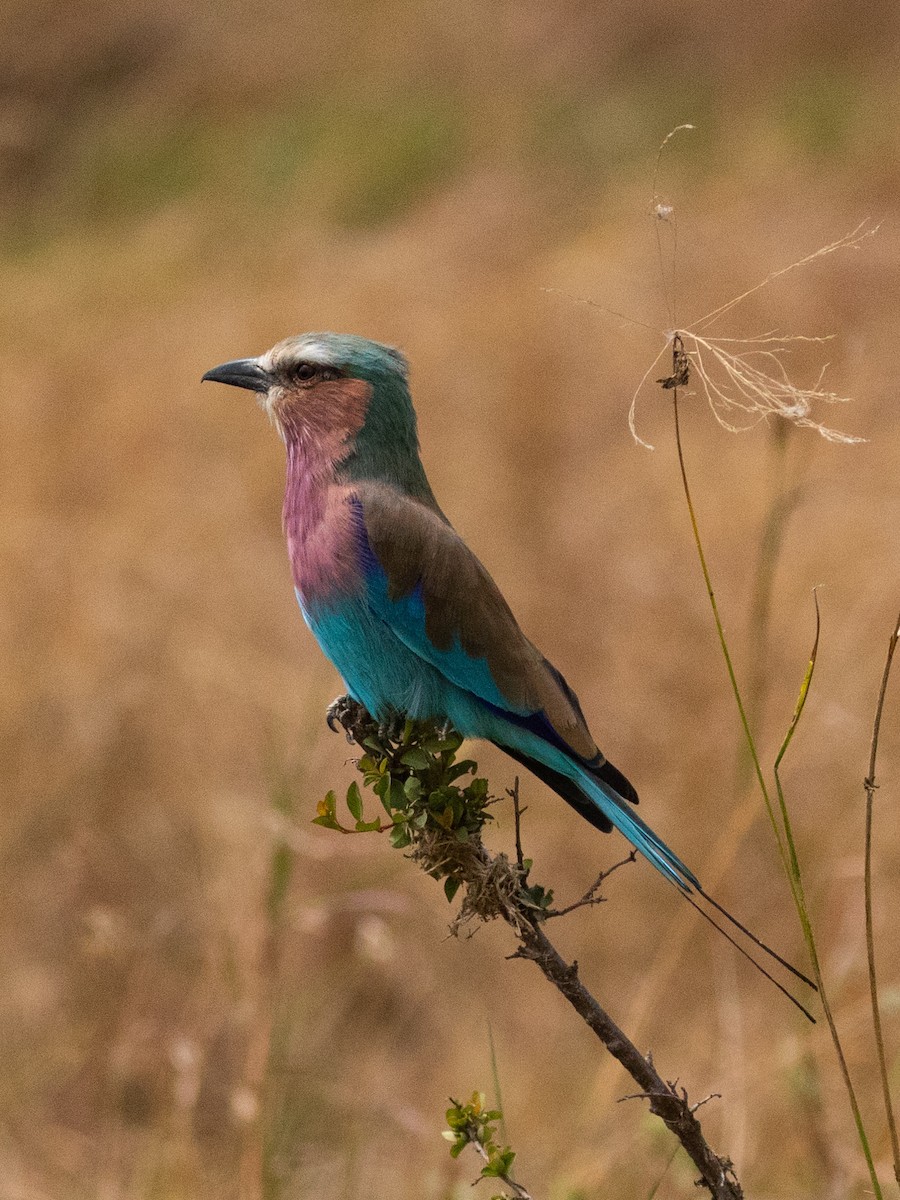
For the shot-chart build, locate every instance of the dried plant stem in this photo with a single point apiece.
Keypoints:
(723, 641)
(783, 833)
(870, 786)
(783, 503)
(806, 924)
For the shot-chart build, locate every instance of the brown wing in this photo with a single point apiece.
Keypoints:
(416, 547)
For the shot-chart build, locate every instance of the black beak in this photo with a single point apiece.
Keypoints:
(241, 372)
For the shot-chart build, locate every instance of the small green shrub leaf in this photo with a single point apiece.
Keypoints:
(354, 801)
(417, 759)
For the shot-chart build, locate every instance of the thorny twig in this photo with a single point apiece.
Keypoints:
(674, 1087)
(590, 896)
(518, 811)
(666, 1102)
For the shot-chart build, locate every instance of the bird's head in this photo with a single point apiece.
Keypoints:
(343, 395)
(321, 382)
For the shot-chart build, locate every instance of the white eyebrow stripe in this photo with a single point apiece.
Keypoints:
(289, 355)
(317, 353)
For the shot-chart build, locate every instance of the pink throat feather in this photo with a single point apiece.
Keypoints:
(317, 517)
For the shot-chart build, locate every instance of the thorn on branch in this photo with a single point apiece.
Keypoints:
(513, 793)
(590, 897)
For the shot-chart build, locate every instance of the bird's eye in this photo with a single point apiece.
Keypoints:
(306, 371)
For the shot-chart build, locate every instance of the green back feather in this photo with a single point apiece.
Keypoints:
(387, 447)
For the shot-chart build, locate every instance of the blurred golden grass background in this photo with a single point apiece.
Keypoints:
(182, 185)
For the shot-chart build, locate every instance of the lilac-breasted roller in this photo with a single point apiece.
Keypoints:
(406, 612)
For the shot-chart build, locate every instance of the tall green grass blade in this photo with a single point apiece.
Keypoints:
(870, 786)
(803, 911)
(784, 835)
(495, 1076)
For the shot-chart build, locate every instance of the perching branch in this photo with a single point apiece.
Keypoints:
(421, 788)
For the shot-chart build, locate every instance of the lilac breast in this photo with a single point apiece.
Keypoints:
(320, 528)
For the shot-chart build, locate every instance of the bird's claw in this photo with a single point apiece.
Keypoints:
(390, 729)
(342, 712)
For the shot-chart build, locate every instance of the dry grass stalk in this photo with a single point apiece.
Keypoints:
(870, 786)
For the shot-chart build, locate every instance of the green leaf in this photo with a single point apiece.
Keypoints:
(368, 826)
(325, 812)
(396, 795)
(412, 789)
(451, 887)
(499, 1164)
(354, 801)
(433, 745)
(399, 837)
(466, 767)
(438, 799)
(417, 759)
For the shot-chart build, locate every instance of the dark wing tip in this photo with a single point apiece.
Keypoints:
(614, 778)
(564, 787)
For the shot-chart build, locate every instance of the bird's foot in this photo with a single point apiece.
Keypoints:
(347, 713)
(391, 728)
